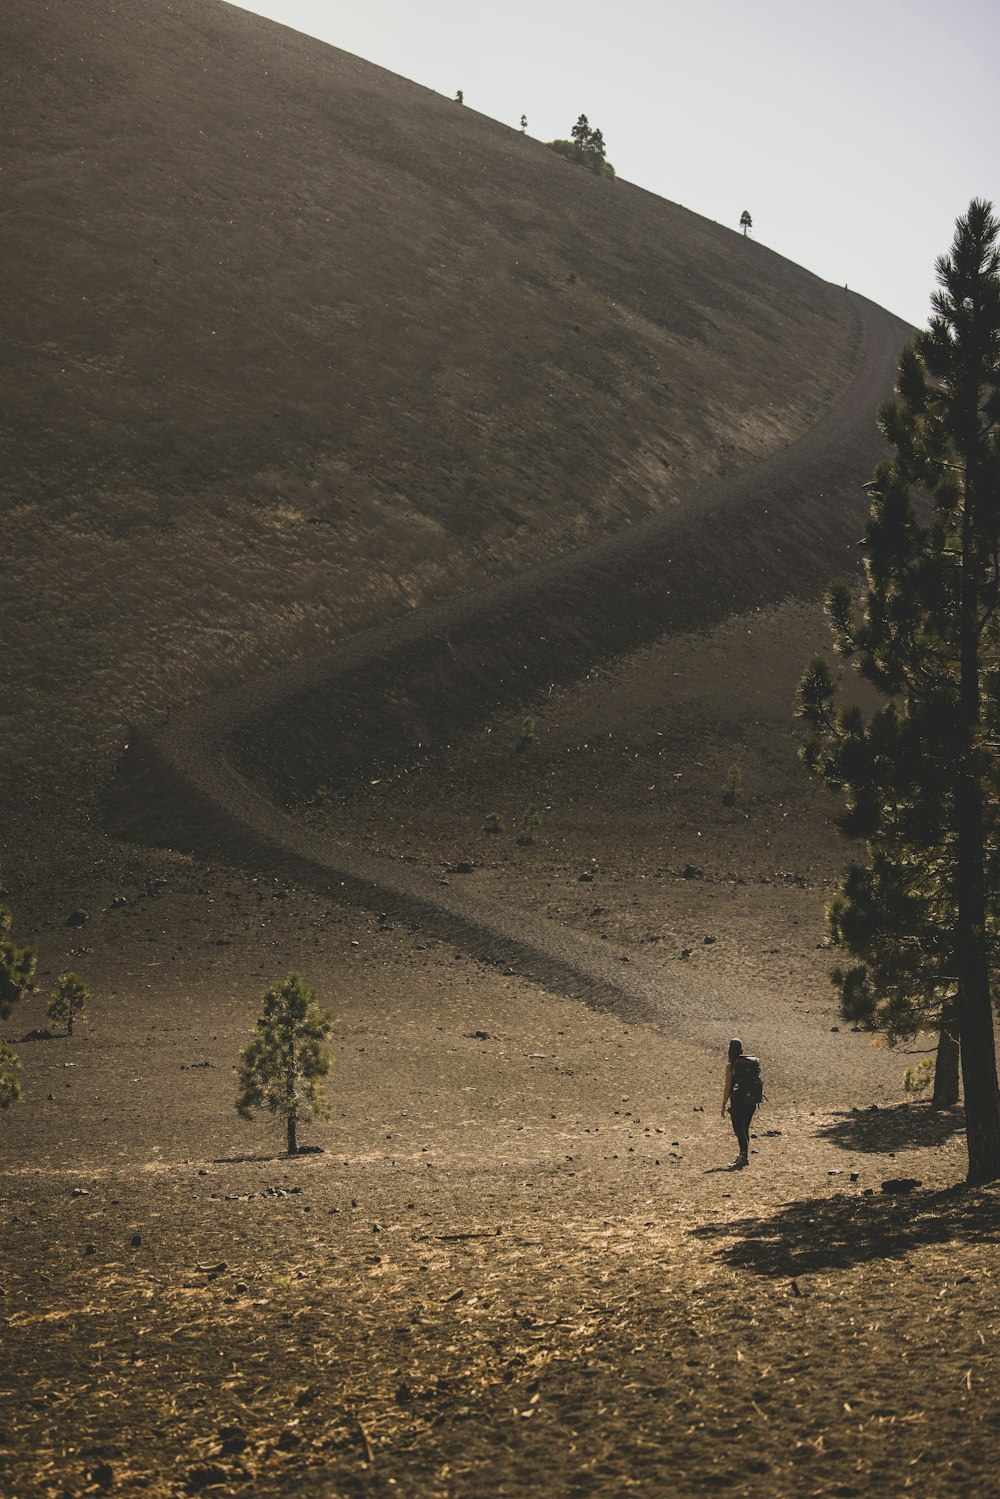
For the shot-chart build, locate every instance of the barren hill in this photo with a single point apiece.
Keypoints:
(339, 421)
(295, 347)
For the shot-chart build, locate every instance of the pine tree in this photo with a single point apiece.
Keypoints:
(580, 134)
(746, 222)
(922, 773)
(69, 1002)
(283, 1065)
(17, 967)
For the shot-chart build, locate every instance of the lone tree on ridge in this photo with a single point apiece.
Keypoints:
(585, 146)
(746, 222)
(283, 1065)
(922, 773)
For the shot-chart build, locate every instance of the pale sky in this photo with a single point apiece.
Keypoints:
(855, 133)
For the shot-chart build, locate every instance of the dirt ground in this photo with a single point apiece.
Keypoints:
(522, 1261)
(515, 1258)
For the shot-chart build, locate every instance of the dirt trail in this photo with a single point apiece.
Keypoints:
(197, 782)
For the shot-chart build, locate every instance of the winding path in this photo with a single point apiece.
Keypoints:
(197, 782)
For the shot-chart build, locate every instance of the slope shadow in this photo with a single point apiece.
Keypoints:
(822, 1233)
(902, 1127)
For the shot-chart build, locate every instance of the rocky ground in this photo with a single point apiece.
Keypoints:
(522, 1261)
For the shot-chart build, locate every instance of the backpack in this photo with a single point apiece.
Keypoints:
(747, 1081)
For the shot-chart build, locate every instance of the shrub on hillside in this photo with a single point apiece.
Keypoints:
(582, 157)
(10, 1066)
(69, 1002)
(17, 967)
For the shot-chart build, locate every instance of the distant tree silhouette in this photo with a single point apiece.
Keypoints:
(746, 222)
(586, 146)
(524, 123)
(459, 97)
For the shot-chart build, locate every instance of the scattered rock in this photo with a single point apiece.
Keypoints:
(90, 1248)
(894, 1184)
(77, 918)
(80, 1192)
(215, 1269)
(102, 1475)
(710, 940)
(205, 1476)
(464, 867)
(685, 952)
(478, 1035)
(310, 1150)
(692, 872)
(586, 878)
(136, 1240)
(232, 1439)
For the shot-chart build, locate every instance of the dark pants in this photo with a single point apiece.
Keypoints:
(741, 1115)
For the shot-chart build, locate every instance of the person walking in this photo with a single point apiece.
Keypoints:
(742, 1098)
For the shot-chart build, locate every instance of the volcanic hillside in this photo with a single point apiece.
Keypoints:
(294, 347)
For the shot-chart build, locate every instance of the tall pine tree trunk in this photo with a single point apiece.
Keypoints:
(946, 1062)
(975, 1007)
(291, 1121)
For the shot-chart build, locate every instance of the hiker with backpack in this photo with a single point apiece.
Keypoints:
(742, 1091)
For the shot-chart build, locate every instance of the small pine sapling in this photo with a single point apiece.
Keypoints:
(284, 1064)
(10, 1087)
(69, 1002)
(734, 781)
(528, 738)
(17, 967)
(493, 823)
(530, 824)
(916, 1079)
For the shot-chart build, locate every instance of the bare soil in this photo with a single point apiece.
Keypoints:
(521, 1260)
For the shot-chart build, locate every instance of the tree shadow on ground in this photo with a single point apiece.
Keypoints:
(824, 1233)
(905, 1126)
(249, 1160)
